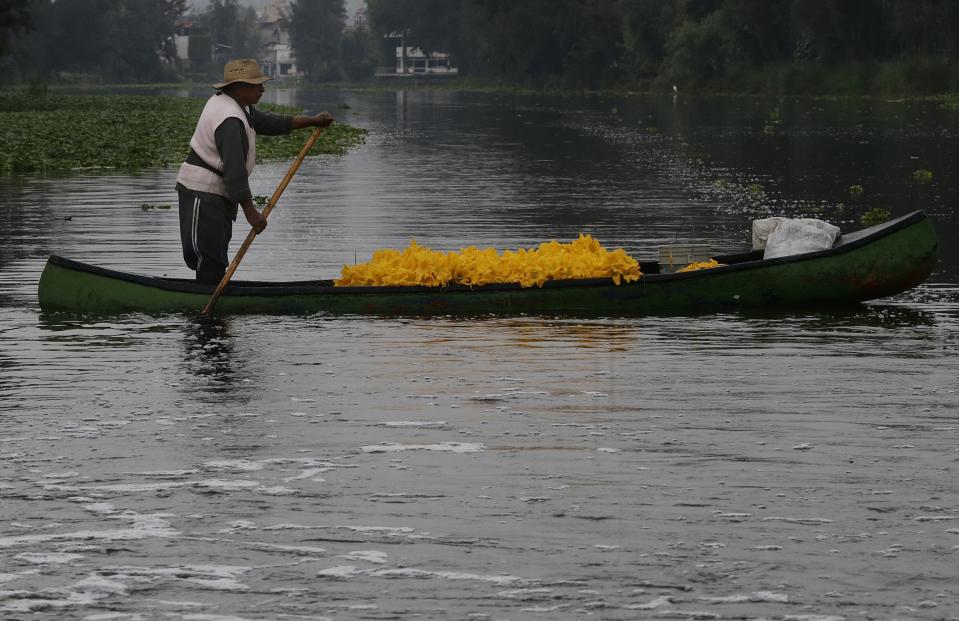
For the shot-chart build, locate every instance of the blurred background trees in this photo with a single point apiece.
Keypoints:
(782, 46)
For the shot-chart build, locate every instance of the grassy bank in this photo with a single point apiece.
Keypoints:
(55, 132)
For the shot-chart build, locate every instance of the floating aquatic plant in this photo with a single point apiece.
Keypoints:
(74, 132)
(922, 175)
(856, 190)
(875, 216)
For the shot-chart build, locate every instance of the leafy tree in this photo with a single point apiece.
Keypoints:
(120, 40)
(14, 16)
(926, 27)
(234, 29)
(315, 30)
(356, 54)
(594, 58)
(140, 38)
(699, 51)
(647, 26)
(759, 28)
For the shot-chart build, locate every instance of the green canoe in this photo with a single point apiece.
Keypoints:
(868, 264)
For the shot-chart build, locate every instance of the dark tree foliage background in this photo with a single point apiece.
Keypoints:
(13, 17)
(744, 45)
(772, 46)
(131, 40)
(316, 27)
(234, 30)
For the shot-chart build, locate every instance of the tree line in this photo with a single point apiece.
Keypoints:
(134, 40)
(719, 44)
(742, 45)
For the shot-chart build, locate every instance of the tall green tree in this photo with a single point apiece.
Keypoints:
(357, 54)
(125, 40)
(315, 30)
(647, 26)
(14, 16)
(234, 29)
(140, 38)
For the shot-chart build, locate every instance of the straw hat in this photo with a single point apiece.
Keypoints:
(242, 70)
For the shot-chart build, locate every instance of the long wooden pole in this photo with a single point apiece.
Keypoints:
(208, 309)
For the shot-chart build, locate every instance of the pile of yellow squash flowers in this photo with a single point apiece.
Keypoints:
(584, 257)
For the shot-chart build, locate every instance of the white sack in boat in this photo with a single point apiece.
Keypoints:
(798, 236)
(762, 229)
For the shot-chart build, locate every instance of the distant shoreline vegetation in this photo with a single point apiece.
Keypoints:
(55, 132)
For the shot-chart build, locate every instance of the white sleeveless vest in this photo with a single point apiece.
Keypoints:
(218, 108)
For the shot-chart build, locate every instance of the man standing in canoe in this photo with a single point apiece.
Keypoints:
(214, 179)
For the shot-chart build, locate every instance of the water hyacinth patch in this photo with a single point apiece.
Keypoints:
(59, 133)
(875, 216)
(922, 175)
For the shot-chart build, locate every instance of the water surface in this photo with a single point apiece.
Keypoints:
(732, 466)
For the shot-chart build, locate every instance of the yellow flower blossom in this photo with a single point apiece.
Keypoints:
(701, 265)
(416, 265)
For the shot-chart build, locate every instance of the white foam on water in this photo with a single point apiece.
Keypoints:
(309, 473)
(351, 571)
(340, 571)
(452, 447)
(61, 475)
(114, 616)
(11, 577)
(219, 584)
(82, 593)
(214, 577)
(165, 474)
(208, 617)
(757, 597)
(653, 604)
(544, 609)
(412, 423)
(370, 556)
(387, 530)
(237, 465)
(120, 488)
(302, 550)
(48, 558)
(808, 521)
(180, 571)
(144, 526)
(605, 449)
(226, 484)
(219, 484)
(526, 594)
